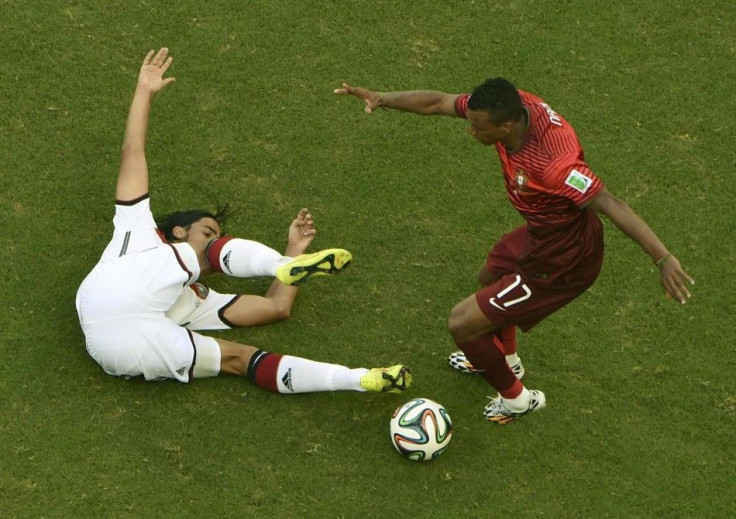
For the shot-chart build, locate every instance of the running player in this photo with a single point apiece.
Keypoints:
(541, 266)
(141, 304)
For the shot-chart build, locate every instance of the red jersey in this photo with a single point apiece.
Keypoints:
(547, 179)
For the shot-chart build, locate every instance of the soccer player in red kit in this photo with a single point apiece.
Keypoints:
(555, 256)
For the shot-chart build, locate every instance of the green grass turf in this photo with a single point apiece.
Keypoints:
(641, 398)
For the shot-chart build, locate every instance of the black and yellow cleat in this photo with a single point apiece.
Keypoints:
(387, 380)
(305, 266)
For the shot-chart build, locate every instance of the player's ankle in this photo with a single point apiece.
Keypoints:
(520, 403)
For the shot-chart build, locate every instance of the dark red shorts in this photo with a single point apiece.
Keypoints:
(539, 272)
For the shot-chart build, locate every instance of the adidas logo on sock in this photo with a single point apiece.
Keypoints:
(286, 379)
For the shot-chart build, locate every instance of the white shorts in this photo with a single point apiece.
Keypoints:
(201, 308)
(123, 305)
(151, 346)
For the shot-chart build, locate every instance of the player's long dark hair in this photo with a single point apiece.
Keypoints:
(167, 222)
(500, 98)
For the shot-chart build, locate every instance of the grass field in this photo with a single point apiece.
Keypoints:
(641, 399)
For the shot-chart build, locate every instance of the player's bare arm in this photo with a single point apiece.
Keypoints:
(673, 278)
(276, 304)
(133, 176)
(423, 102)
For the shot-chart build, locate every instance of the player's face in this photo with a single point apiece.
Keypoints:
(484, 129)
(202, 232)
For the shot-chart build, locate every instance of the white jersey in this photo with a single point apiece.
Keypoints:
(122, 304)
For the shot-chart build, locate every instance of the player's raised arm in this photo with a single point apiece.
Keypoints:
(423, 102)
(133, 176)
(672, 276)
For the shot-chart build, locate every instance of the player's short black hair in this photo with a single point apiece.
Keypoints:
(500, 98)
(167, 222)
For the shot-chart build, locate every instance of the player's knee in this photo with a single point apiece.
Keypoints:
(481, 275)
(457, 324)
(485, 278)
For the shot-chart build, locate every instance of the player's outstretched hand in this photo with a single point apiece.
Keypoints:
(372, 99)
(674, 280)
(154, 67)
(301, 233)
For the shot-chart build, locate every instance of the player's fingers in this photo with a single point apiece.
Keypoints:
(147, 59)
(678, 293)
(672, 294)
(160, 56)
(678, 281)
(669, 290)
(166, 64)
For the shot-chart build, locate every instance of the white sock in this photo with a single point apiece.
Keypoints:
(518, 404)
(349, 379)
(512, 359)
(243, 258)
(298, 375)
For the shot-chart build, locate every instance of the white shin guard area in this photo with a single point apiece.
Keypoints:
(246, 258)
(298, 375)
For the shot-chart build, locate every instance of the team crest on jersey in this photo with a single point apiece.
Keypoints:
(200, 290)
(521, 181)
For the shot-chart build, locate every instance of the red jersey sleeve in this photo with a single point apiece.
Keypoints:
(461, 105)
(574, 180)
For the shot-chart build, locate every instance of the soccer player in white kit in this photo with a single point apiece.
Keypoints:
(141, 305)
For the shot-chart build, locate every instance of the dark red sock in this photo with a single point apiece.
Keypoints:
(213, 252)
(512, 392)
(263, 368)
(486, 353)
(508, 338)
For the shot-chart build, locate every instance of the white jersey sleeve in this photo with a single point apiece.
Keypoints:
(135, 229)
(133, 215)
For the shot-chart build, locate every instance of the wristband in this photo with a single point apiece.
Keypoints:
(660, 262)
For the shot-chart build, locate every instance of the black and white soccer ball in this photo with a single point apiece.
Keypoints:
(421, 429)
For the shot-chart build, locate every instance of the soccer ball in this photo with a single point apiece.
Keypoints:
(421, 429)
